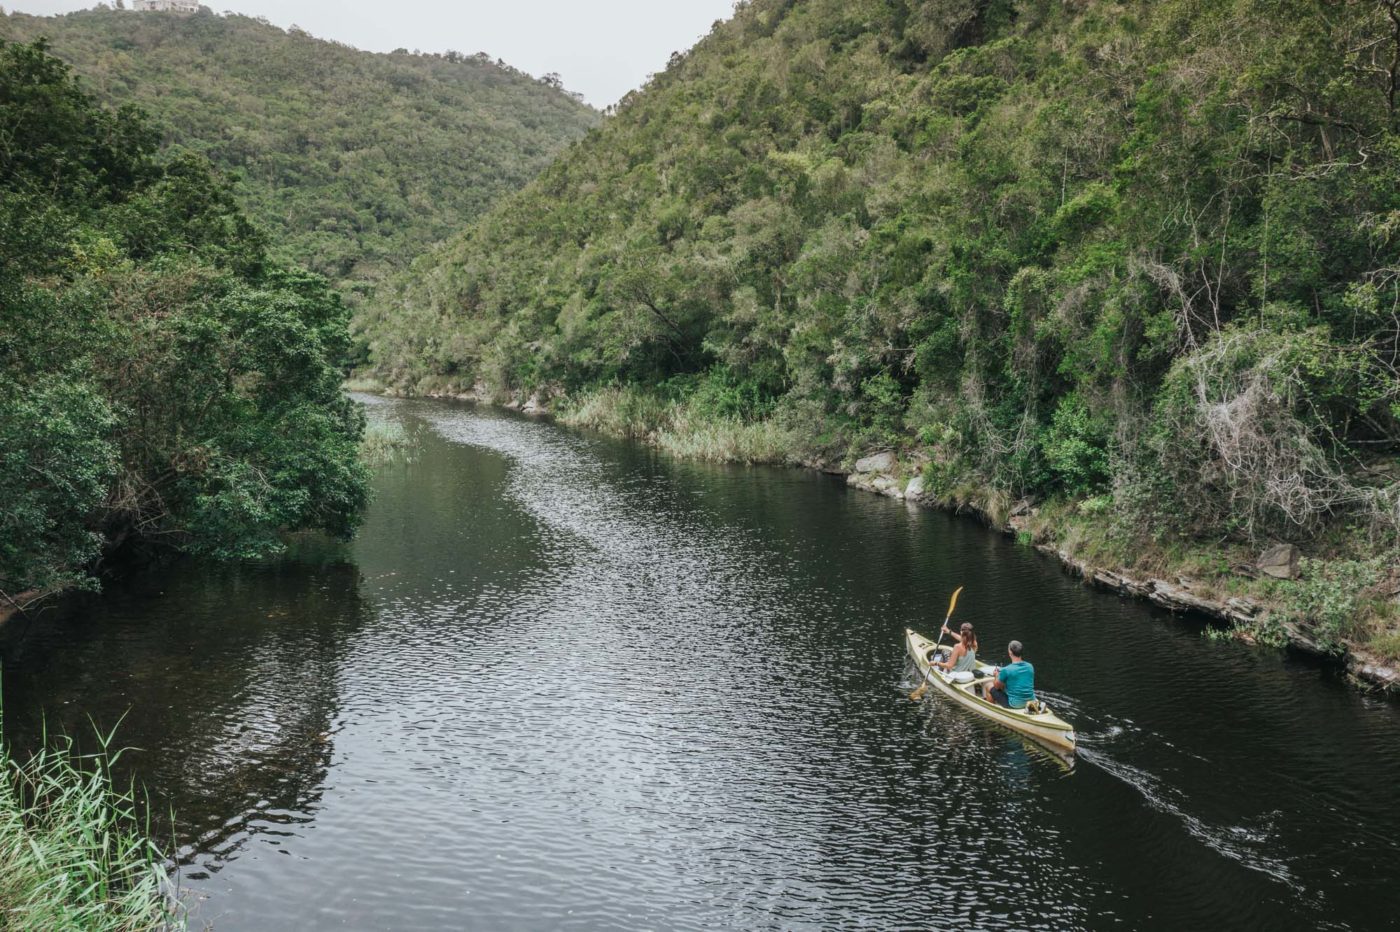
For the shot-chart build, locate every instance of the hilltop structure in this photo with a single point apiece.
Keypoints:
(166, 6)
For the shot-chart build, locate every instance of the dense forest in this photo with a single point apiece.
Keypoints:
(166, 380)
(355, 162)
(1138, 261)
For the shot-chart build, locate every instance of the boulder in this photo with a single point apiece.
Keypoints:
(915, 488)
(1281, 562)
(879, 462)
(887, 485)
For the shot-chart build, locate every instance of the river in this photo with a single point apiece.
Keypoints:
(564, 682)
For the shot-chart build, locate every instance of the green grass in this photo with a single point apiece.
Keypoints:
(367, 384)
(685, 428)
(386, 442)
(74, 853)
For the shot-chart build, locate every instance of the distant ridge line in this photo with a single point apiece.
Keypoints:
(166, 6)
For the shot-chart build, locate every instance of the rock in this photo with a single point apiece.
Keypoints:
(1105, 579)
(888, 485)
(1280, 562)
(1024, 508)
(915, 488)
(1242, 608)
(879, 483)
(879, 462)
(1300, 639)
(1176, 599)
(1373, 671)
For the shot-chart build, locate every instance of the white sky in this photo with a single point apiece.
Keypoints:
(601, 48)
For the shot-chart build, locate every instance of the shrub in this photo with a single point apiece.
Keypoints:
(1076, 448)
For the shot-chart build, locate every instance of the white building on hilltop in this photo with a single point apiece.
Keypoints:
(167, 6)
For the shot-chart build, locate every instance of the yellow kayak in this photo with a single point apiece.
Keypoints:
(1036, 720)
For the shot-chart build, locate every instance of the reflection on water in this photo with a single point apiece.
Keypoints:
(565, 682)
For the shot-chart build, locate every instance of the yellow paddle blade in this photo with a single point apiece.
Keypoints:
(954, 603)
(918, 694)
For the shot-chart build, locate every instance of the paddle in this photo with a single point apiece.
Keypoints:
(918, 694)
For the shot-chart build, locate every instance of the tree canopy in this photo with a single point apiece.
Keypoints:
(166, 380)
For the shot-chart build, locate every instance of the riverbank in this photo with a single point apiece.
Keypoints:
(1343, 610)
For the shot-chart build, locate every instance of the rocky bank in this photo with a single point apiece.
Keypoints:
(885, 474)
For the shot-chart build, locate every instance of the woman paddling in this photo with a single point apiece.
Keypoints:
(963, 659)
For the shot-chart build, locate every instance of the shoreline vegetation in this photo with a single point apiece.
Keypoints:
(1122, 276)
(74, 853)
(1332, 606)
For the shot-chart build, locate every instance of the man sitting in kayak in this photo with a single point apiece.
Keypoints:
(963, 659)
(1013, 686)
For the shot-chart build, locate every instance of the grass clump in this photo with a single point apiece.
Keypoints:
(718, 439)
(74, 853)
(386, 442)
(694, 425)
(366, 384)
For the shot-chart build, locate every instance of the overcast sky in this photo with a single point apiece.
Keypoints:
(602, 48)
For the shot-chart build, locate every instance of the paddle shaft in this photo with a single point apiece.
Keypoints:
(952, 604)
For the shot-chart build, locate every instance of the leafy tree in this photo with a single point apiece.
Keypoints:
(167, 382)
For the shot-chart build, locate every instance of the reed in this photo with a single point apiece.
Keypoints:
(386, 442)
(685, 427)
(74, 852)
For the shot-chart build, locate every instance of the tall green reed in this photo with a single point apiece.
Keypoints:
(75, 852)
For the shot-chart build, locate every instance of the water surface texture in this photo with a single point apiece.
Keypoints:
(562, 682)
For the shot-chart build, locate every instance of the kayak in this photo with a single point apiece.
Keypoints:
(1036, 720)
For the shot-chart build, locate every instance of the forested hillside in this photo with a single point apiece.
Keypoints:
(356, 162)
(165, 381)
(1136, 261)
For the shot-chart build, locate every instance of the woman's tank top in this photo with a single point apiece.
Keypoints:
(966, 663)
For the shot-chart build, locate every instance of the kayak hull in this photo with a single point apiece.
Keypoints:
(1045, 727)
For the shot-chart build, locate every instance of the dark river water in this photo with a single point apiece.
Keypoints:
(562, 682)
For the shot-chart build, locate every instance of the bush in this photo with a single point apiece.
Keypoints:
(1076, 448)
(1242, 435)
(1331, 595)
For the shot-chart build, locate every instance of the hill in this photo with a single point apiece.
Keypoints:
(355, 161)
(1133, 263)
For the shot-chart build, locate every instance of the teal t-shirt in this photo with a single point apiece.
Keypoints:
(1019, 678)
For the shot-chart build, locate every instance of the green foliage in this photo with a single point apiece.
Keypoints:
(58, 465)
(355, 161)
(1076, 448)
(1330, 597)
(1056, 243)
(167, 382)
(721, 393)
